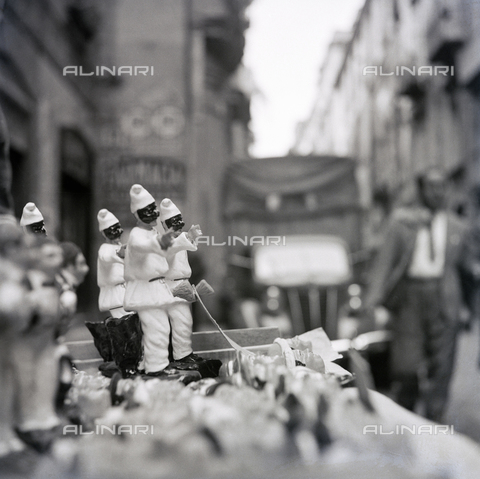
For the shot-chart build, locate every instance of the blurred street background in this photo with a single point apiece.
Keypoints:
(258, 118)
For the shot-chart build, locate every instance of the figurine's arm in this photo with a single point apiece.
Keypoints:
(193, 233)
(109, 255)
(182, 243)
(121, 252)
(149, 244)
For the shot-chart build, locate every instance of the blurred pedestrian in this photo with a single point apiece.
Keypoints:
(72, 274)
(417, 276)
(74, 267)
(472, 280)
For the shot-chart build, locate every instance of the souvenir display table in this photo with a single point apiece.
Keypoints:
(259, 419)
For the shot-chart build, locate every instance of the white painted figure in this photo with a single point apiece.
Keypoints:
(146, 290)
(32, 220)
(179, 270)
(110, 265)
(36, 352)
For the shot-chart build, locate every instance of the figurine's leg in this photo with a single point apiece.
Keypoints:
(126, 339)
(9, 441)
(37, 376)
(156, 331)
(181, 320)
(118, 312)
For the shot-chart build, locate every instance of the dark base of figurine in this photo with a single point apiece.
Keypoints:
(185, 371)
(39, 439)
(208, 368)
(185, 377)
(109, 368)
(119, 341)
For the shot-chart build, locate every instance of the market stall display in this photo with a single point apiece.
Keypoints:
(295, 420)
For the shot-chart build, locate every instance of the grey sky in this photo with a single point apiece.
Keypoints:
(286, 43)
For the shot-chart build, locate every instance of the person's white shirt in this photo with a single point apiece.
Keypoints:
(424, 264)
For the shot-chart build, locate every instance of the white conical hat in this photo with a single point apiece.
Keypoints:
(168, 209)
(139, 198)
(31, 214)
(106, 219)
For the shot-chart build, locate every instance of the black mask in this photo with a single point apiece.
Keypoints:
(148, 214)
(176, 223)
(37, 228)
(113, 232)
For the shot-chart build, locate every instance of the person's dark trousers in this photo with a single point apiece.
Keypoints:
(423, 338)
(440, 366)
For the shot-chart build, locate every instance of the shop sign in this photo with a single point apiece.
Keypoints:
(161, 176)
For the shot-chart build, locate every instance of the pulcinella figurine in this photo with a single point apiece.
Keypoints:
(32, 220)
(146, 290)
(179, 270)
(117, 338)
(110, 267)
(156, 273)
(37, 355)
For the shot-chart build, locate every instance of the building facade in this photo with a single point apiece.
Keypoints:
(101, 95)
(401, 93)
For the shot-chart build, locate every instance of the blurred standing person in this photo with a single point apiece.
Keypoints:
(417, 275)
(74, 267)
(472, 280)
(72, 274)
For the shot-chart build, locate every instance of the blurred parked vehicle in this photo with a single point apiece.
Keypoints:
(296, 258)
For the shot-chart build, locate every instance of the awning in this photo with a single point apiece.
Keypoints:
(290, 187)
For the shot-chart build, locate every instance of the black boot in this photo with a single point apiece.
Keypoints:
(208, 368)
(101, 339)
(126, 338)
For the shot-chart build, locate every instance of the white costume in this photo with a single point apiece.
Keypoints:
(179, 269)
(146, 290)
(110, 271)
(30, 215)
(110, 280)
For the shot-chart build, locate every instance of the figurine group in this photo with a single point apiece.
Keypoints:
(38, 279)
(143, 277)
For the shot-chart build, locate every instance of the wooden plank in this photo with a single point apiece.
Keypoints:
(210, 340)
(229, 354)
(88, 365)
(202, 342)
(84, 349)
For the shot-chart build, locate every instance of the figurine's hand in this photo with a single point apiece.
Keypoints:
(68, 301)
(121, 251)
(166, 239)
(194, 232)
